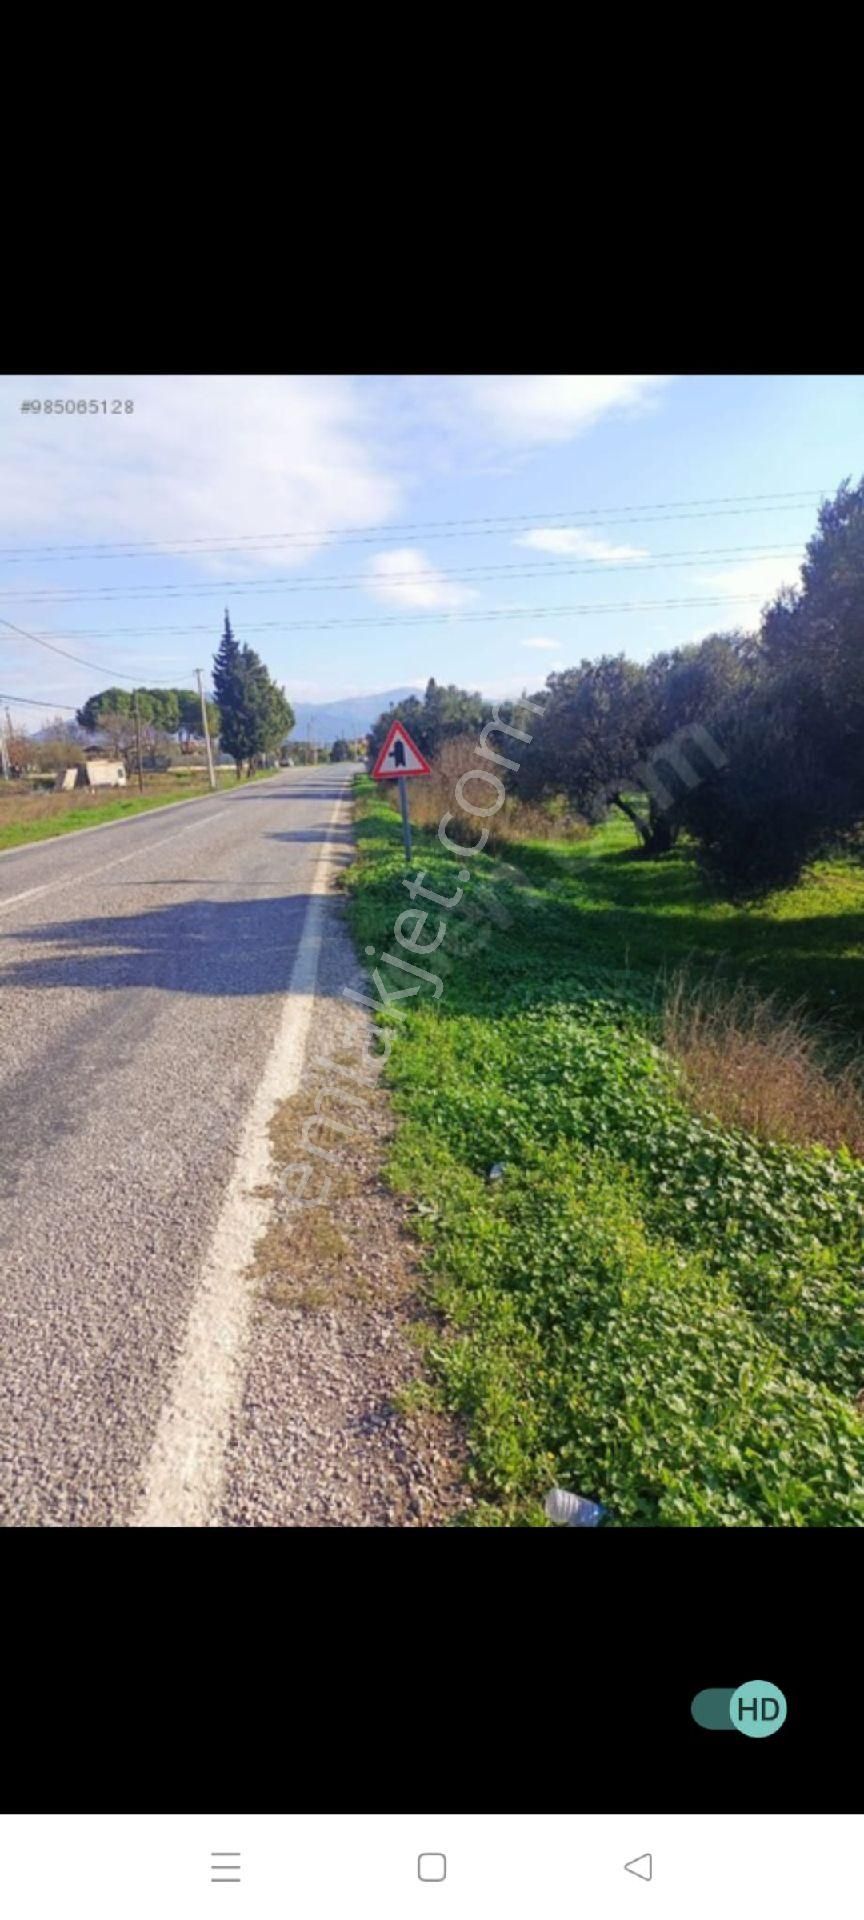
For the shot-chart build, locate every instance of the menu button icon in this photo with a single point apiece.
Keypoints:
(225, 1869)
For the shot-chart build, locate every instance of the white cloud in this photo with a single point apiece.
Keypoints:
(203, 456)
(492, 424)
(404, 577)
(759, 578)
(538, 407)
(508, 688)
(555, 646)
(323, 690)
(575, 540)
(220, 458)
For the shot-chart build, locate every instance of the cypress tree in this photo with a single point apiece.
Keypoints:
(254, 712)
(230, 690)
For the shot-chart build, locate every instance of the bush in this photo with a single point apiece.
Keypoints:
(517, 820)
(51, 756)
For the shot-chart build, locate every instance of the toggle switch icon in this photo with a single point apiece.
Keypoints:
(757, 1709)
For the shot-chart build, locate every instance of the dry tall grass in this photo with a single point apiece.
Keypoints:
(769, 1069)
(515, 821)
(20, 804)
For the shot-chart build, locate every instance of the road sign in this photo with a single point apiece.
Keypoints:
(399, 756)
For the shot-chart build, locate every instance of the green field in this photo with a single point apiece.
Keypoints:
(654, 914)
(647, 1308)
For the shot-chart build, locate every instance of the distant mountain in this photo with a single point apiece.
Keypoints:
(345, 719)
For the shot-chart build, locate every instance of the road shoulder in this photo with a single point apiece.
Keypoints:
(337, 1426)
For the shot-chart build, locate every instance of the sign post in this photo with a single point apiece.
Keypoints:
(400, 759)
(406, 817)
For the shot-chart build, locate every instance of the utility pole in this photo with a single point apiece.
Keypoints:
(138, 742)
(5, 759)
(206, 729)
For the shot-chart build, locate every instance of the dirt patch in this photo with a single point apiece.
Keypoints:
(339, 1425)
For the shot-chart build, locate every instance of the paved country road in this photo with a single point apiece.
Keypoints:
(146, 974)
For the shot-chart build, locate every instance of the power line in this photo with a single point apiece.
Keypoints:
(503, 613)
(524, 613)
(92, 666)
(21, 700)
(471, 525)
(344, 582)
(444, 615)
(52, 648)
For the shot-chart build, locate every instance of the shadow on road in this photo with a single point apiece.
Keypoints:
(243, 947)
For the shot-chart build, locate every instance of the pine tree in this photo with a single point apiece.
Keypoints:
(255, 715)
(230, 691)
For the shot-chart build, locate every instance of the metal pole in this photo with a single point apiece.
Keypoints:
(206, 728)
(406, 821)
(138, 743)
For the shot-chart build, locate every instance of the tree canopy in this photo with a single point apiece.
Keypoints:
(440, 715)
(163, 711)
(793, 731)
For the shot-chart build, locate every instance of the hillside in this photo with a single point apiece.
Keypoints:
(346, 718)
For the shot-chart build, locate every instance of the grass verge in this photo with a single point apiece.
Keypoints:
(650, 1307)
(28, 818)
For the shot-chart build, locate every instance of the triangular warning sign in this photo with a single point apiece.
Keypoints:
(399, 755)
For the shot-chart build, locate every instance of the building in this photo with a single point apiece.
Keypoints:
(94, 773)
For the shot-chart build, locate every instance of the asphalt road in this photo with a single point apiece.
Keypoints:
(143, 975)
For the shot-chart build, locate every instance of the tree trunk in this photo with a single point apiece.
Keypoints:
(658, 833)
(663, 829)
(632, 815)
(662, 836)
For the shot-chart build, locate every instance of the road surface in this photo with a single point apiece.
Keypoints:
(146, 971)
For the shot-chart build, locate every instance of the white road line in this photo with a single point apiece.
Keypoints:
(154, 846)
(184, 1474)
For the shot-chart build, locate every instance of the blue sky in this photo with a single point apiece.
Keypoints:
(366, 532)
